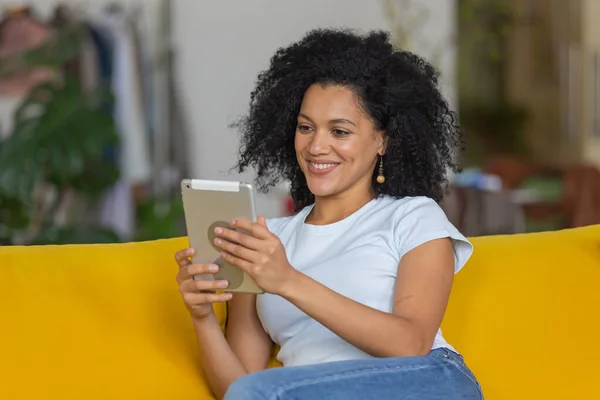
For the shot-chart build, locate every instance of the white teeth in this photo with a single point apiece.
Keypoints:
(322, 166)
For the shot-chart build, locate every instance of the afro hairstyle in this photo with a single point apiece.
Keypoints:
(397, 89)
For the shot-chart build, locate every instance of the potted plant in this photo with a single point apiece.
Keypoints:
(54, 163)
(492, 123)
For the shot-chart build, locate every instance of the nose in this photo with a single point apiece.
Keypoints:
(319, 143)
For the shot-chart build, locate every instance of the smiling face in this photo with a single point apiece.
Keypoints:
(337, 145)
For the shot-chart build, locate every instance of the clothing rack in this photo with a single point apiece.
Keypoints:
(166, 162)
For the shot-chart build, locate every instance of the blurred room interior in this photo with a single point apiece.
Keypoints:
(106, 105)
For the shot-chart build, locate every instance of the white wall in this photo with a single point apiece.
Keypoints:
(222, 45)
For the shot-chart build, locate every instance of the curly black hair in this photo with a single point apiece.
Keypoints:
(397, 89)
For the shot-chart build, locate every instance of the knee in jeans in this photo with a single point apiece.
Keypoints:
(248, 387)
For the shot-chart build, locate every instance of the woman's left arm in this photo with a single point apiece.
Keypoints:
(423, 284)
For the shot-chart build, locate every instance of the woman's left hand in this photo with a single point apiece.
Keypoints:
(260, 253)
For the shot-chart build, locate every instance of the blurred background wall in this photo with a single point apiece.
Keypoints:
(524, 76)
(220, 47)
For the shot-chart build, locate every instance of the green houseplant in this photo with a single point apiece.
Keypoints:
(54, 164)
(493, 124)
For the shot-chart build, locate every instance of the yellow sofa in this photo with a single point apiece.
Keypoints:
(106, 321)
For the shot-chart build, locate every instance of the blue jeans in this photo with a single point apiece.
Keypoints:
(440, 375)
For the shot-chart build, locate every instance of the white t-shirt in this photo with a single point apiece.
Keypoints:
(357, 257)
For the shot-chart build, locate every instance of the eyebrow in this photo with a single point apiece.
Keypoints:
(333, 121)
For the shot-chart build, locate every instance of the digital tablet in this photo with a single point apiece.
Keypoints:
(208, 204)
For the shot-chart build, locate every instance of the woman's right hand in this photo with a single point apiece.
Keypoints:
(198, 295)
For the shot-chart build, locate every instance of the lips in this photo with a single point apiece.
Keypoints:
(321, 167)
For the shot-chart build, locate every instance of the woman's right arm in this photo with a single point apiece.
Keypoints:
(247, 347)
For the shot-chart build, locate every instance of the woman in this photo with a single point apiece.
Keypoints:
(358, 280)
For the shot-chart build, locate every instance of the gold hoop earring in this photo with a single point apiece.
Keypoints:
(380, 177)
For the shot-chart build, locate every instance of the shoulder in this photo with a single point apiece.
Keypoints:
(419, 208)
(411, 214)
(417, 220)
(407, 209)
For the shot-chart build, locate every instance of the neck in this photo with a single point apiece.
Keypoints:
(331, 209)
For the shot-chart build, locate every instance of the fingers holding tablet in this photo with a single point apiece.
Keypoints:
(199, 294)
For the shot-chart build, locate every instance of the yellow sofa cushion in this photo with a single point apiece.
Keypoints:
(525, 313)
(107, 321)
(96, 322)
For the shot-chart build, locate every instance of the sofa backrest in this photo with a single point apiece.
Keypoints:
(96, 322)
(107, 321)
(525, 312)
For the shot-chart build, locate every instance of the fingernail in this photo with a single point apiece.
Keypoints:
(217, 241)
(213, 268)
(233, 222)
(218, 230)
(223, 284)
(227, 296)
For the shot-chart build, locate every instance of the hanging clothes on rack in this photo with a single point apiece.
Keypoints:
(127, 48)
(129, 108)
(171, 158)
(118, 205)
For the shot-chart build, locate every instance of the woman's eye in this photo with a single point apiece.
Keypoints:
(339, 132)
(304, 128)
